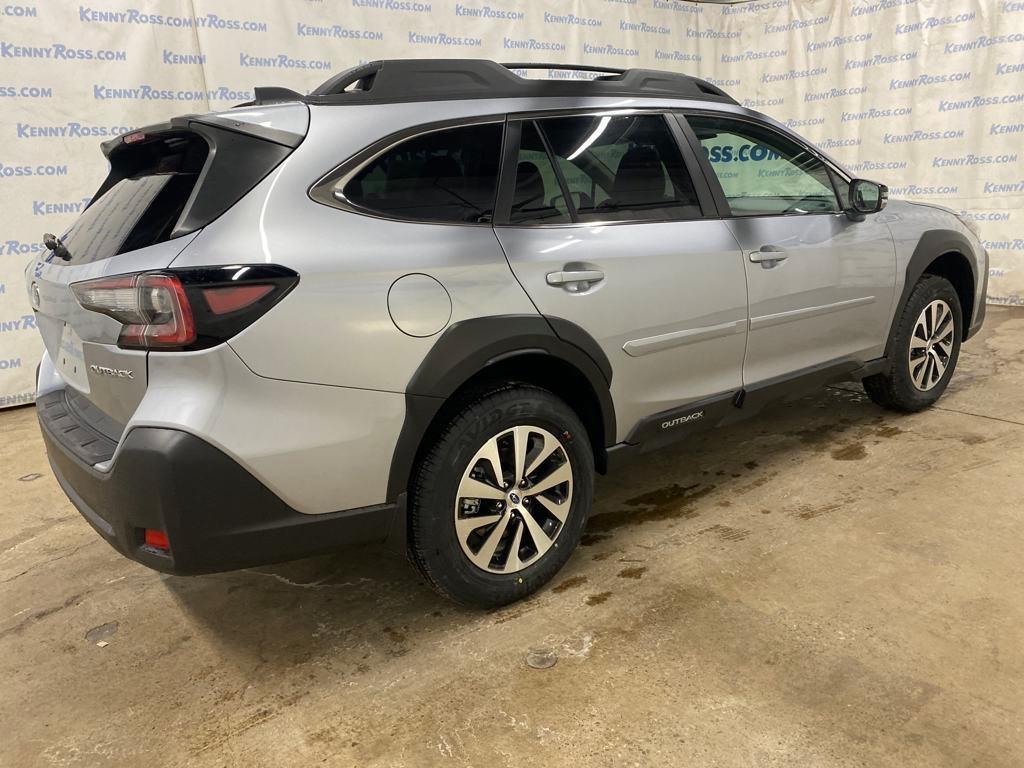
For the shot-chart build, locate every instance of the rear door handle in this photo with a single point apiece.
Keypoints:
(767, 255)
(576, 280)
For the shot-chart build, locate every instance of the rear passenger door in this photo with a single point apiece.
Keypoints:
(604, 226)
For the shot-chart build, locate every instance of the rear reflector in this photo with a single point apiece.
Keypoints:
(234, 297)
(157, 539)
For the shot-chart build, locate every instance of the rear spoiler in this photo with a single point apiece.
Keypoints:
(237, 124)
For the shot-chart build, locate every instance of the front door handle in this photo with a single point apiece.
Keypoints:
(768, 255)
(575, 281)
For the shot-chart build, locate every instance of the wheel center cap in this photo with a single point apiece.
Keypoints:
(514, 497)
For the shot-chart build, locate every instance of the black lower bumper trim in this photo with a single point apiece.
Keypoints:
(216, 515)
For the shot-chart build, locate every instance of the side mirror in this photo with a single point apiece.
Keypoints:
(866, 197)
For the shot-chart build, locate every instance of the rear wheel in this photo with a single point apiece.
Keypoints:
(924, 348)
(500, 501)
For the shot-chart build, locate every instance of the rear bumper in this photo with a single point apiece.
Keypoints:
(216, 515)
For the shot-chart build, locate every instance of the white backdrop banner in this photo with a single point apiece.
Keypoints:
(924, 95)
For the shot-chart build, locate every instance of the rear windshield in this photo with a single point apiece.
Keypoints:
(140, 208)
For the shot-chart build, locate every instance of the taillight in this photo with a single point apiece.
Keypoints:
(152, 308)
(185, 309)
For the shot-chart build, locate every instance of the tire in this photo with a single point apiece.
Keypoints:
(916, 377)
(471, 561)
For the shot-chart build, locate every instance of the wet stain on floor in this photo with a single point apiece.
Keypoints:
(673, 501)
(598, 598)
(727, 533)
(809, 513)
(852, 452)
(636, 572)
(569, 583)
(889, 431)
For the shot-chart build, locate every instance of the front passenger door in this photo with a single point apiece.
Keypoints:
(820, 285)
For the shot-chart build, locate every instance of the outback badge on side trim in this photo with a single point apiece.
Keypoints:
(695, 416)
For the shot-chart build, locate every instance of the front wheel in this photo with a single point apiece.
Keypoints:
(923, 350)
(501, 499)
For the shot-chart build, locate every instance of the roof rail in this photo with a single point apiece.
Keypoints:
(408, 80)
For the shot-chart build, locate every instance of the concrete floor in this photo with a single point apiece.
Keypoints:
(828, 585)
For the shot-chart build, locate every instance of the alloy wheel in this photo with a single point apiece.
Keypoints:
(931, 345)
(513, 500)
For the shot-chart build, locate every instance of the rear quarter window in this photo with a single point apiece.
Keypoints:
(449, 176)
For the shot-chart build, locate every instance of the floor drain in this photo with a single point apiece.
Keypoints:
(541, 658)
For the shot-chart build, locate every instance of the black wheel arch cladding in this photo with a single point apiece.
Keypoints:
(468, 348)
(934, 246)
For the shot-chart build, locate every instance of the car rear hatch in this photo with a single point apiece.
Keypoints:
(166, 182)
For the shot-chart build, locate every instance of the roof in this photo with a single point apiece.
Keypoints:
(409, 80)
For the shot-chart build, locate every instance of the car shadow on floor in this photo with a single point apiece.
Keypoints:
(372, 604)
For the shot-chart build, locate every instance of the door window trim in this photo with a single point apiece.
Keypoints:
(721, 202)
(513, 136)
(322, 190)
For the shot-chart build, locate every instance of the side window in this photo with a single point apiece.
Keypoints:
(621, 168)
(538, 197)
(447, 176)
(761, 171)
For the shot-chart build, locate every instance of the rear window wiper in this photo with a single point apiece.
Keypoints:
(53, 243)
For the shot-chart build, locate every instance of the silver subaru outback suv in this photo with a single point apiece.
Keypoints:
(428, 301)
